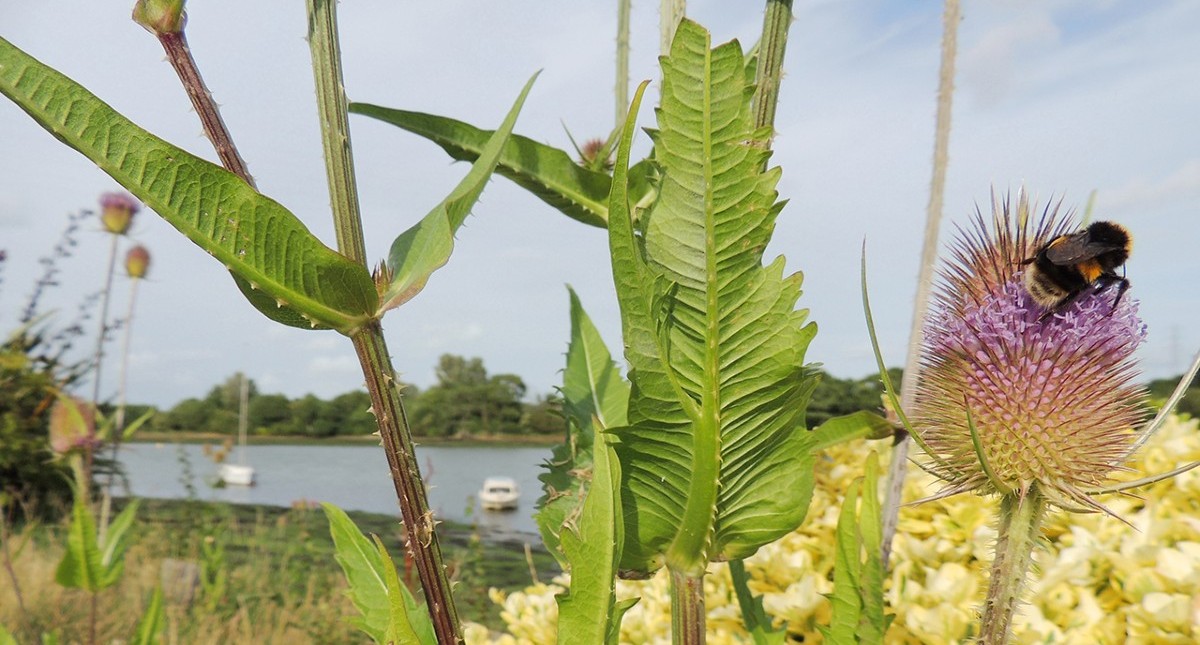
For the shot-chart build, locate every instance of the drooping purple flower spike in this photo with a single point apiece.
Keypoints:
(1051, 397)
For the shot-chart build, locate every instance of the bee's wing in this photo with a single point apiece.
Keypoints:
(1075, 248)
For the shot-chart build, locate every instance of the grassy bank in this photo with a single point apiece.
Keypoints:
(514, 440)
(265, 574)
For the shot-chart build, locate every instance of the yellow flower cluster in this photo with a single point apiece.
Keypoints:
(1098, 581)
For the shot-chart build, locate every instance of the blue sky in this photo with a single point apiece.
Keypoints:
(1061, 97)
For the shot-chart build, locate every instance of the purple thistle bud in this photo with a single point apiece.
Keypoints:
(137, 262)
(1051, 396)
(117, 211)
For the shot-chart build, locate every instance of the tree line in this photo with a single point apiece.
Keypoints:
(465, 401)
(468, 402)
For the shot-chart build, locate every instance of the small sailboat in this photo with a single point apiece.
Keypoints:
(241, 473)
(499, 494)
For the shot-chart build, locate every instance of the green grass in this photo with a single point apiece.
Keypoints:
(270, 575)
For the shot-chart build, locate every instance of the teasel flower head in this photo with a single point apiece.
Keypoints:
(1009, 398)
(137, 262)
(117, 211)
(72, 425)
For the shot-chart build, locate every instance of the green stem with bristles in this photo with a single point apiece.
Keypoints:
(378, 371)
(1021, 518)
(771, 46)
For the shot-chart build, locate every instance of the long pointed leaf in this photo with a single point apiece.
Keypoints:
(857, 600)
(426, 247)
(382, 602)
(594, 398)
(543, 170)
(295, 277)
(116, 542)
(716, 460)
(592, 543)
(150, 627)
(80, 567)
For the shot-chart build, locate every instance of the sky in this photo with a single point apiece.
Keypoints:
(1061, 97)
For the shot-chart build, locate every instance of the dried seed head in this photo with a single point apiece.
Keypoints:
(1052, 398)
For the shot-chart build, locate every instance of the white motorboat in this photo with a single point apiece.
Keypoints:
(499, 494)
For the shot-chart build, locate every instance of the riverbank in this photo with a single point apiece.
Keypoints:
(266, 574)
(515, 440)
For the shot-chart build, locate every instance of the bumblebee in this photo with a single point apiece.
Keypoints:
(1067, 266)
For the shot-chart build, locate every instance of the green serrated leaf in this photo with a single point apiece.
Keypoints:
(592, 540)
(426, 247)
(150, 627)
(369, 572)
(858, 614)
(845, 601)
(6, 637)
(594, 398)
(80, 567)
(259, 241)
(716, 460)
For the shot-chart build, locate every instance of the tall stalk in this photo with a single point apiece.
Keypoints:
(898, 468)
(369, 344)
(97, 360)
(622, 86)
(776, 21)
(1021, 516)
(670, 12)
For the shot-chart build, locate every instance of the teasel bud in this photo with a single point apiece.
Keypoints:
(595, 154)
(117, 211)
(137, 262)
(160, 16)
(72, 425)
(1051, 396)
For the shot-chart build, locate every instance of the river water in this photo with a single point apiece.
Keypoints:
(352, 477)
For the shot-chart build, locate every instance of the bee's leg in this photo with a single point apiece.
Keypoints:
(1124, 282)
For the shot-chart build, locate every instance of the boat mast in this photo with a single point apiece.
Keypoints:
(244, 404)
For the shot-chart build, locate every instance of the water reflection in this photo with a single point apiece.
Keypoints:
(352, 477)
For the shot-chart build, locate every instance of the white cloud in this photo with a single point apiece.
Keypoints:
(990, 69)
(1143, 192)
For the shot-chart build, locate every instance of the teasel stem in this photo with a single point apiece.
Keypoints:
(771, 47)
(670, 13)
(898, 466)
(687, 608)
(1021, 517)
(118, 427)
(369, 343)
(180, 57)
(89, 452)
(622, 86)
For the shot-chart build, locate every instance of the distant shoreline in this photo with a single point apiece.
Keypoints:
(506, 440)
